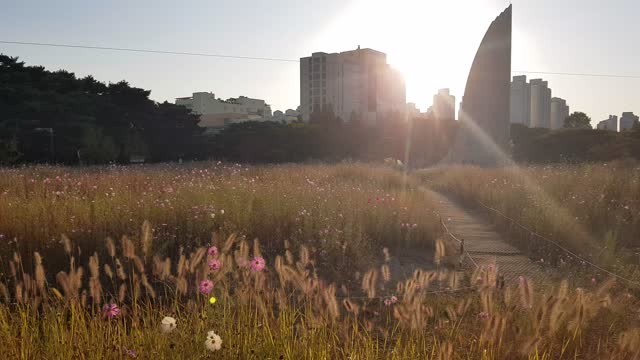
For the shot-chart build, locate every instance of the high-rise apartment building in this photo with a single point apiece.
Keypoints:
(559, 112)
(628, 120)
(444, 105)
(532, 104)
(357, 84)
(540, 114)
(520, 110)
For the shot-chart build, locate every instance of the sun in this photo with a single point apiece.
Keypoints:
(432, 43)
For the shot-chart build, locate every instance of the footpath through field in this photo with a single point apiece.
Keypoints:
(485, 246)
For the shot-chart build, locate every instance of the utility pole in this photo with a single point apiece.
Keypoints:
(52, 149)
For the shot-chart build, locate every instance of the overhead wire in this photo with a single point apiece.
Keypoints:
(263, 58)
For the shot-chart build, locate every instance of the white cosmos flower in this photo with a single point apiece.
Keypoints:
(213, 342)
(168, 324)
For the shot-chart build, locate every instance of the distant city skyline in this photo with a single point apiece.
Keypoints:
(431, 43)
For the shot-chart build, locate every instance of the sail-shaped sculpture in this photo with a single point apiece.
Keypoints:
(483, 136)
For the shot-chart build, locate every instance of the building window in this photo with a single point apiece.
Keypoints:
(324, 91)
(324, 75)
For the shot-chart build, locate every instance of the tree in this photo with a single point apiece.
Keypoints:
(92, 121)
(9, 153)
(578, 120)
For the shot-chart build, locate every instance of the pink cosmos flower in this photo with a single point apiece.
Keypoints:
(110, 311)
(257, 264)
(214, 264)
(206, 286)
(130, 353)
(390, 301)
(212, 251)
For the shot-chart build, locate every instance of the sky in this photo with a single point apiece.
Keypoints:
(431, 42)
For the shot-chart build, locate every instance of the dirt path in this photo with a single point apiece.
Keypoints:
(486, 246)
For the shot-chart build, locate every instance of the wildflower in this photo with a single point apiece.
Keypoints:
(390, 301)
(206, 286)
(168, 324)
(212, 300)
(110, 311)
(213, 342)
(483, 315)
(130, 353)
(593, 281)
(214, 264)
(257, 264)
(212, 251)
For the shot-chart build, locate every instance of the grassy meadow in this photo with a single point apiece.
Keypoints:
(346, 213)
(227, 261)
(591, 209)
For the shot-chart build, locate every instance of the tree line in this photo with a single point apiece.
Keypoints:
(53, 116)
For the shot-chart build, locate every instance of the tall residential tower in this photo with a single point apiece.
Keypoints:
(357, 84)
(559, 112)
(520, 101)
(444, 105)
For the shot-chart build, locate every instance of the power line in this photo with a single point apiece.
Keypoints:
(146, 51)
(184, 53)
(577, 74)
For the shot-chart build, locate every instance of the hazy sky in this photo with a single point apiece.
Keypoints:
(431, 42)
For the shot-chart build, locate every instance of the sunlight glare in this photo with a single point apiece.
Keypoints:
(419, 38)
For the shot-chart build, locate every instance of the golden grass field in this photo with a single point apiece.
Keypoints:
(93, 259)
(592, 209)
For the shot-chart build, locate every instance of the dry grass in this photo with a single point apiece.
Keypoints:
(591, 209)
(50, 302)
(288, 311)
(342, 212)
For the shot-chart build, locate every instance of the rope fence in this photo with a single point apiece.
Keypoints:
(560, 249)
(463, 251)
